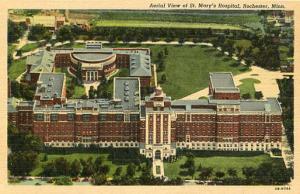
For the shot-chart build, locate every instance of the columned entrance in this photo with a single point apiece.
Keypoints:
(91, 75)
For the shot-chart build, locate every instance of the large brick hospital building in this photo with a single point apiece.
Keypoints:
(156, 125)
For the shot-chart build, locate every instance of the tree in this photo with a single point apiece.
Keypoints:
(19, 52)
(232, 172)
(22, 163)
(39, 32)
(220, 174)
(45, 158)
(258, 95)
(163, 78)
(49, 170)
(23, 140)
(205, 173)
(62, 166)
(88, 168)
(181, 40)
(76, 168)
(97, 164)
(15, 31)
(99, 179)
(166, 51)
(118, 171)
(246, 96)
(65, 33)
(63, 180)
(92, 92)
(248, 172)
(130, 171)
(263, 173)
(104, 169)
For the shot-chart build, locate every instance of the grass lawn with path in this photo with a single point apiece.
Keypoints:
(219, 161)
(187, 67)
(16, 68)
(247, 86)
(29, 47)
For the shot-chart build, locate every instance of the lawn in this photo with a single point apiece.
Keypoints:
(78, 156)
(79, 90)
(16, 68)
(106, 156)
(244, 18)
(187, 67)
(11, 48)
(29, 47)
(165, 24)
(247, 86)
(219, 161)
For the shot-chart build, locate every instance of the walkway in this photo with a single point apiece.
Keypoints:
(158, 168)
(87, 86)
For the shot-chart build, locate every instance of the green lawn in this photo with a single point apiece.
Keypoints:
(16, 68)
(188, 67)
(79, 90)
(219, 162)
(72, 156)
(247, 86)
(164, 24)
(11, 48)
(78, 156)
(29, 47)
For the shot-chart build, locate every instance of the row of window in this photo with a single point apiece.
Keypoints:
(87, 117)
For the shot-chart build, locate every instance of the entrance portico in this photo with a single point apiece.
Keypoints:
(91, 76)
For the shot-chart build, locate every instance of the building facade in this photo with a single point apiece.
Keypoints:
(93, 63)
(157, 125)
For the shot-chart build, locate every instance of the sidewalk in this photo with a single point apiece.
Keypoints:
(158, 168)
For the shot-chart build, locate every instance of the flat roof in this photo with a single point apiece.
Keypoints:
(140, 65)
(222, 81)
(50, 85)
(269, 105)
(127, 91)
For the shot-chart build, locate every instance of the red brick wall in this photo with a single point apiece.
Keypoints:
(231, 96)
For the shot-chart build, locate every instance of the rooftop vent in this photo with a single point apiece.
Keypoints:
(126, 88)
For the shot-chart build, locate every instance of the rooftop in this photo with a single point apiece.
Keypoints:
(268, 105)
(41, 62)
(50, 85)
(222, 81)
(127, 92)
(140, 65)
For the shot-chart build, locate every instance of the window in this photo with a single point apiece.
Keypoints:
(102, 117)
(39, 117)
(86, 117)
(119, 117)
(71, 116)
(54, 117)
(134, 117)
